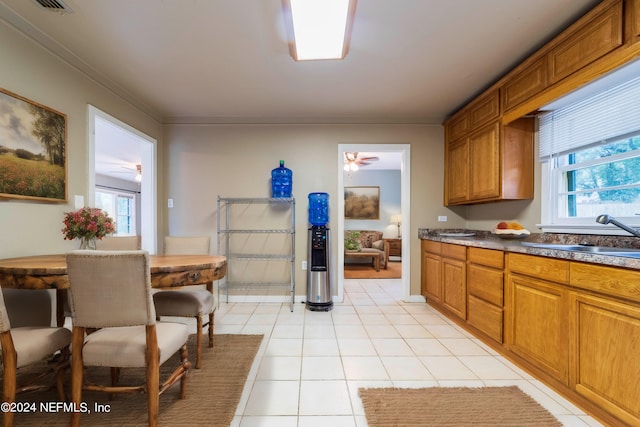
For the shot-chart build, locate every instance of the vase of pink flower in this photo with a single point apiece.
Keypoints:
(88, 225)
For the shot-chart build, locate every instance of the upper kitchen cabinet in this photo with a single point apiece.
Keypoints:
(604, 39)
(488, 161)
(591, 40)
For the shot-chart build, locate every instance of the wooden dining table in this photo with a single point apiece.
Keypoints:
(167, 271)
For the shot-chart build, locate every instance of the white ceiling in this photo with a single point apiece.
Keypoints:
(185, 61)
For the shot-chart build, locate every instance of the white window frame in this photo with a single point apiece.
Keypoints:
(550, 174)
(114, 214)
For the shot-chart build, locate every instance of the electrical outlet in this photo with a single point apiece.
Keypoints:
(304, 265)
(442, 218)
(170, 203)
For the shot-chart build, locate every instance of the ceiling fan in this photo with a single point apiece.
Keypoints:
(352, 161)
(130, 170)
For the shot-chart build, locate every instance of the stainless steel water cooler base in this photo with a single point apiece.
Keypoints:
(319, 291)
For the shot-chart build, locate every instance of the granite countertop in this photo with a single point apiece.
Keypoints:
(488, 240)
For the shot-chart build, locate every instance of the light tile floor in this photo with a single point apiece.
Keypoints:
(310, 365)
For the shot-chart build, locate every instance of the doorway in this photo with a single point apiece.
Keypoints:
(128, 147)
(404, 152)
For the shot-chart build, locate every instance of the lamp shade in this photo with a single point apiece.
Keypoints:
(396, 219)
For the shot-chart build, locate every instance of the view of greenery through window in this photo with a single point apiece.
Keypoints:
(604, 178)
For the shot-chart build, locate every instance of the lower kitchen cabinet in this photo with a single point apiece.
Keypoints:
(444, 276)
(574, 325)
(604, 354)
(454, 279)
(431, 271)
(536, 315)
(485, 283)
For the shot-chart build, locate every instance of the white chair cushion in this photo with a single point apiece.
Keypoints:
(124, 347)
(183, 303)
(36, 343)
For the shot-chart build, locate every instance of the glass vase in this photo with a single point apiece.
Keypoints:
(88, 243)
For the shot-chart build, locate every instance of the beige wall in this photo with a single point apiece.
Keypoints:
(31, 228)
(236, 161)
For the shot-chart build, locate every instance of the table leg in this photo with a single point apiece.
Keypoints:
(61, 297)
(376, 262)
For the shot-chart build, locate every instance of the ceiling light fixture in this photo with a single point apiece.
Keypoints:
(350, 164)
(319, 29)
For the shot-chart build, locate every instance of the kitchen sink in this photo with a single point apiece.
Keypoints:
(600, 250)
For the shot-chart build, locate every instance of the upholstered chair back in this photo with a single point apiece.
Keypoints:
(108, 288)
(119, 243)
(186, 245)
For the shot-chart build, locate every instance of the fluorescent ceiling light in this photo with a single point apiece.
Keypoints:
(319, 29)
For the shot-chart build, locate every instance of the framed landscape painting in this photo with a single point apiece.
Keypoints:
(361, 202)
(32, 150)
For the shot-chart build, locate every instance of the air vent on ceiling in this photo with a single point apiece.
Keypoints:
(55, 6)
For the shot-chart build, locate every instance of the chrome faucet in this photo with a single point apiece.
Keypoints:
(606, 219)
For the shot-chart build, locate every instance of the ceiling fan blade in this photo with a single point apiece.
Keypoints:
(369, 158)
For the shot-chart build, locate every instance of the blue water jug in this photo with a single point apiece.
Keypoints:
(281, 182)
(318, 208)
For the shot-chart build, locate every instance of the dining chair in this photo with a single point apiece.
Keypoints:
(118, 243)
(114, 325)
(192, 302)
(27, 337)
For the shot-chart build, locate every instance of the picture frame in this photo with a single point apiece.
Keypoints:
(33, 150)
(362, 202)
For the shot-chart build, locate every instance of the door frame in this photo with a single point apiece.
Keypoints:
(148, 186)
(405, 209)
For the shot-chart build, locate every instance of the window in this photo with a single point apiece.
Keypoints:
(591, 150)
(121, 207)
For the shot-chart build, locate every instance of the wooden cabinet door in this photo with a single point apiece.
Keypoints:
(484, 109)
(484, 163)
(432, 277)
(457, 127)
(536, 314)
(457, 172)
(525, 85)
(454, 286)
(596, 38)
(605, 337)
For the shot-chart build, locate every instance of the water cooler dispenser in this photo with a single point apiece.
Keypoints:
(319, 296)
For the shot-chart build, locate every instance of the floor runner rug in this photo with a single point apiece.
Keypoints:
(213, 391)
(455, 406)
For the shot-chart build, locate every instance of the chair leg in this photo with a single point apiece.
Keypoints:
(9, 361)
(64, 353)
(76, 373)
(198, 340)
(153, 375)
(211, 315)
(184, 359)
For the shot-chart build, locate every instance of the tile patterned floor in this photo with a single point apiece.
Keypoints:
(311, 364)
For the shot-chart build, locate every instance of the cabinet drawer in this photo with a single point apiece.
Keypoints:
(555, 270)
(525, 85)
(454, 251)
(432, 247)
(486, 283)
(488, 257)
(486, 109)
(609, 280)
(596, 38)
(485, 317)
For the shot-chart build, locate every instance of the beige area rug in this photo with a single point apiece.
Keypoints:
(213, 391)
(456, 406)
(366, 271)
